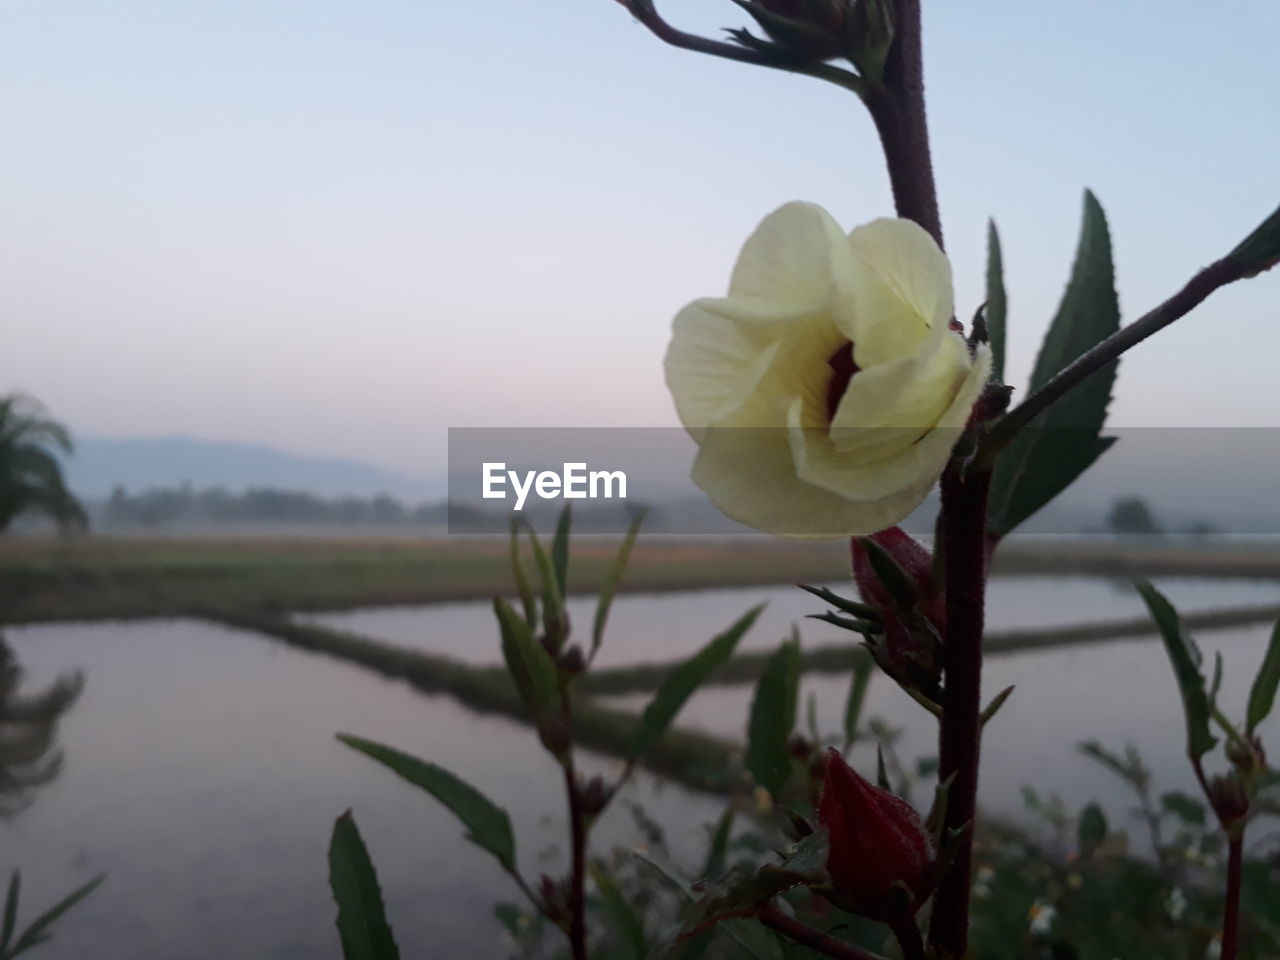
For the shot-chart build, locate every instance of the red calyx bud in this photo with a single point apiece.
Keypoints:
(1230, 802)
(881, 858)
(908, 651)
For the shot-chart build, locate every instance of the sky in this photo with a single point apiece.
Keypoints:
(340, 228)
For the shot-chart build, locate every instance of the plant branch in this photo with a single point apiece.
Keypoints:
(1197, 290)
(1231, 908)
(964, 520)
(647, 14)
(897, 107)
(578, 870)
(807, 936)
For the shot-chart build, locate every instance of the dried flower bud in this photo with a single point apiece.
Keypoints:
(572, 661)
(881, 858)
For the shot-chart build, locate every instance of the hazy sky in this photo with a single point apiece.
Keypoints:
(341, 227)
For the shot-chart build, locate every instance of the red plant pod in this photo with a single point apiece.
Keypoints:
(880, 856)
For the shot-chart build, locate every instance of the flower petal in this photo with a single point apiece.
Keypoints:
(898, 288)
(713, 364)
(787, 262)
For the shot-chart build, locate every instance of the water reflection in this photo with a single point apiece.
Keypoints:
(28, 727)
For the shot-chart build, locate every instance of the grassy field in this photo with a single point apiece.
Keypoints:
(103, 577)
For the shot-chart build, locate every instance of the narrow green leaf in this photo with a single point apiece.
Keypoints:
(857, 696)
(560, 549)
(38, 932)
(10, 911)
(773, 718)
(624, 922)
(527, 600)
(683, 681)
(610, 584)
(528, 662)
(1092, 829)
(997, 303)
(1059, 445)
(554, 624)
(863, 611)
(1262, 697)
(362, 922)
(1185, 658)
(865, 627)
(719, 849)
(900, 587)
(488, 825)
(994, 706)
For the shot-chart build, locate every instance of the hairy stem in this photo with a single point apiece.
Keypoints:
(964, 534)
(897, 107)
(807, 936)
(1231, 908)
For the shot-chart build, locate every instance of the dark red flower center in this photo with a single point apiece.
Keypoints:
(842, 370)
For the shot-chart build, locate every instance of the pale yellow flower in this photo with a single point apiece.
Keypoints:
(827, 390)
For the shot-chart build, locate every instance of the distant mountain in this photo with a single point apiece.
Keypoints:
(101, 463)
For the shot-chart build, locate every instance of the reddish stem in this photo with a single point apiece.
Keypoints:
(897, 107)
(964, 528)
(578, 874)
(1231, 910)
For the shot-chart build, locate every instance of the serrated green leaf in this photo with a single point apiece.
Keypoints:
(1262, 697)
(997, 303)
(1185, 658)
(858, 685)
(1092, 829)
(610, 584)
(362, 921)
(488, 825)
(528, 662)
(683, 681)
(773, 718)
(1058, 446)
(38, 931)
(560, 549)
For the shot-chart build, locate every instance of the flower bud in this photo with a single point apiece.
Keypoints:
(913, 626)
(812, 29)
(1230, 802)
(880, 856)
